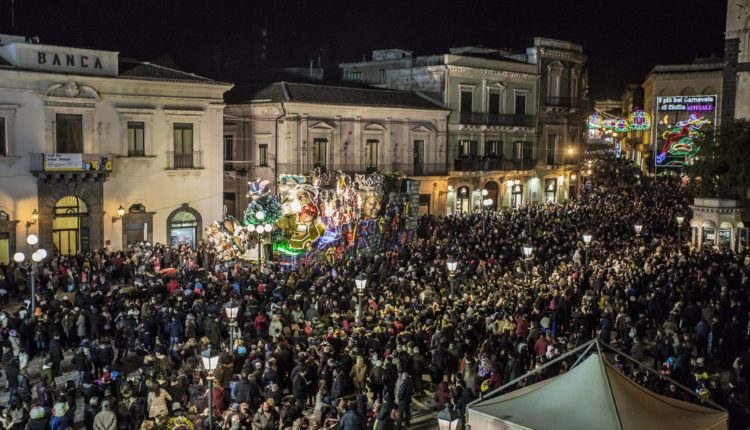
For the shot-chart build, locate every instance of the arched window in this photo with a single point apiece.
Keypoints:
(493, 193)
(184, 226)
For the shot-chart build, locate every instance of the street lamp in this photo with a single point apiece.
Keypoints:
(527, 250)
(451, 264)
(210, 363)
(36, 257)
(587, 242)
(448, 418)
(486, 203)
(120, 214)
(360, 282)
(485, 192)
(260, 230)
(680, 220)
(231, 310)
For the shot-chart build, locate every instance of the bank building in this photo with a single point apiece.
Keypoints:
(97, 150)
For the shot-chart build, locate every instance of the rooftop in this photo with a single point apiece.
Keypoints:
(335, 95)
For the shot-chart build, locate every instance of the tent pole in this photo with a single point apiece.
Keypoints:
(580, 357)
(609, 385)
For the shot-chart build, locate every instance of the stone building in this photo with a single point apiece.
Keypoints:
(293, 128)
(98, 151)
(515, 129)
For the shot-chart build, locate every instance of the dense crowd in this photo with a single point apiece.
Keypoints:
(309, 351)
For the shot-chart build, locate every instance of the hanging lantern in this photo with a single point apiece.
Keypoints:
(621, 125)
(595, 120)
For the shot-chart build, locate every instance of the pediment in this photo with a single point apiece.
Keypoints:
(72, 90)
(323, 125)
(422, 129)
(373, 126)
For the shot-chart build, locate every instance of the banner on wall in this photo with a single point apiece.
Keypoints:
(682, 123)
(77, 162)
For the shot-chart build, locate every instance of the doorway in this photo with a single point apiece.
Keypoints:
(418, 157)
(71, 226)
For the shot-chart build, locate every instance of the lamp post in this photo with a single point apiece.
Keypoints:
(36, 257)
(486, 203)
(260, 230)
(680, 220)
(448, 418)
(587, 242)
(209, 363)
(231, 310)
(527, 250)
(34, 219)
(451, 264)
(360, 282)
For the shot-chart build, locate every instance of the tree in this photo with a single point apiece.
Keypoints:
(722, 167)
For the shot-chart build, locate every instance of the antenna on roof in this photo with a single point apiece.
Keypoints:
(12, 13)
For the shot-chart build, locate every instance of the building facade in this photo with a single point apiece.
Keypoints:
(100, 152)
(294, 128)
(704, 77)
(736, 104)
(496, 126)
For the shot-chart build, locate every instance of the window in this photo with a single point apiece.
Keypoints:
(354, 76)
(493, 104)
(516, 197)
(135, 139)
(551, 148)
(465, 101)
(69, 133)
(229, 203)
(183, 145)
(3, 139)
(550, 190)
(382, 76)
(371, 155)
(520, 104)
(468, 147)
(263, 155)
(228, 152)
(320, 152)
(528, 151)
(493, 148)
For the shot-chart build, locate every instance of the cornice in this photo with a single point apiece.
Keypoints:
(556, 53)
(490, 72)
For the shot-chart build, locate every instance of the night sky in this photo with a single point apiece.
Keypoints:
(623, 40)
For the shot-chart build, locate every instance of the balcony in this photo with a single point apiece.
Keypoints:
(497, 119)
(492, 164)
(566, 103)
(408, 169)
(190, 160)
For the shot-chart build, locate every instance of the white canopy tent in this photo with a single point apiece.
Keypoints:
(592, 395)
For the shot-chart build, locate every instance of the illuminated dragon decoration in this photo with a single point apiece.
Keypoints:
(682, 140)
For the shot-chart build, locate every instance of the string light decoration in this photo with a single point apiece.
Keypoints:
(639, 120)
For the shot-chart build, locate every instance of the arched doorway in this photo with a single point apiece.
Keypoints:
(462, 200)
(184, 226)
(493, 192)
(71, 226)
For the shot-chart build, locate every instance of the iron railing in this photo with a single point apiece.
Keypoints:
(492, 164)
(497, 119)
(189, 160)
(408, 169)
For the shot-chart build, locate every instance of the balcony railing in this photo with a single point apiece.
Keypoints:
(190, 160)
(497, 119)
(491, 164)
(408, 169)
(567, 102)
(70, 162)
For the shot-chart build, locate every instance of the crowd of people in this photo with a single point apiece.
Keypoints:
(308, 350)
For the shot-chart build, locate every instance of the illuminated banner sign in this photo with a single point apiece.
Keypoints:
(681, 126)
(686, 103)
(77, 162)
(61, 59)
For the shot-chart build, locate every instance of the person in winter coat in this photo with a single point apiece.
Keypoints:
(299, 388)
(106, 419)
(404, 394)
(358, 375)
(266, 418)
(442, 395)
(351, 420)
(376, 379)
(384, 420)
(157, 401)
